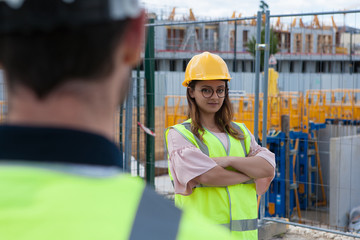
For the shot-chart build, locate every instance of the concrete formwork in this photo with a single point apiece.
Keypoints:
(324, 136)
(344, 178)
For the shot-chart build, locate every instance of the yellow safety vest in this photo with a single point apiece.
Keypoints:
(233, 206)
(39, 204)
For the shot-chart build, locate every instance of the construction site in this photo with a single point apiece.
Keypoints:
(300, 98)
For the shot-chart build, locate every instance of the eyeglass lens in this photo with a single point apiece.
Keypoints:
(208, 92)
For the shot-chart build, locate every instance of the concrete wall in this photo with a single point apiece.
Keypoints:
(324, 136)
(160, 37)
(345, 41)
(344, 178)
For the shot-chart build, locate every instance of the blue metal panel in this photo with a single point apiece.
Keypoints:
(275, 196)
(301, 166)
(277, 191)
(313, 164)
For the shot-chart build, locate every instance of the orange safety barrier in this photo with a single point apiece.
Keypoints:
(175, 110)
(292, 104)
(334, 104)
(316, 106)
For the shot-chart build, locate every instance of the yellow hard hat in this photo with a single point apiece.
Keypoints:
(206, 66)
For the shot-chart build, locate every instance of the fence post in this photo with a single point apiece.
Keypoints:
(128, 127)
(138, 120)
(257, 76)
(121, 115)
(285, 128)
(235, 40)
(265, 100)
(150, 103)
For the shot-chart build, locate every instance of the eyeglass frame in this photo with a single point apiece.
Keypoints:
(225, 89)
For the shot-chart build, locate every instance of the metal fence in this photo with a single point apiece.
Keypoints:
(305, 108)
(296, 102)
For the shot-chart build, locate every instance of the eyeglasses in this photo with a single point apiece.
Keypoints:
(208, 92)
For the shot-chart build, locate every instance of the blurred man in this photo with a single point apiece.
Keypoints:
(66, 65)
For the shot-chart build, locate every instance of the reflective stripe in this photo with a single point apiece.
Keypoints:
(242, 141)
(229, 147)
(165, 141)
(202, 145)
(228, 139)
(230, 225)
(182, 135)
(155, 217)
(242, 225)
(71, 168)
(247, 130)
(251, 181)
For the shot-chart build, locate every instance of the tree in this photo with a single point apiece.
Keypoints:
(251, 46)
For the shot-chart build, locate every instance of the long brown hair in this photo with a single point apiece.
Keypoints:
(223, 117)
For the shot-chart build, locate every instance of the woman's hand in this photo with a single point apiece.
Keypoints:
(222, 161)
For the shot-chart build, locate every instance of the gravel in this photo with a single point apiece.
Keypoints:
(299, 233)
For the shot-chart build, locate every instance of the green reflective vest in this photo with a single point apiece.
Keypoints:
(39, 204)
(232, 206)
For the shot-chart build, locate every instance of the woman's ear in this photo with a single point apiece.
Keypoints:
(191, 92)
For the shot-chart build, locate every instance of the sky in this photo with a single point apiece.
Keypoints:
(225, 8)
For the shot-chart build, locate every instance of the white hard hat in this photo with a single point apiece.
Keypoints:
(27, 15)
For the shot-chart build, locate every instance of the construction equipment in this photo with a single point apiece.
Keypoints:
(315, 22)
(172, 15)
(333, 23)
(301, 24)
(191, 15)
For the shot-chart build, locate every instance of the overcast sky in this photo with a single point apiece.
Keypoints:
(225, 8)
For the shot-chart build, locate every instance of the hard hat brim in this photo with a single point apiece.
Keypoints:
(187, 82)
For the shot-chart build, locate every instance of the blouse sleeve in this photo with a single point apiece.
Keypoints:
(186, 162)
(262, 184)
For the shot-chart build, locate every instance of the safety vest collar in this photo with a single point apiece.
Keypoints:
(228, 149)
(245, 143)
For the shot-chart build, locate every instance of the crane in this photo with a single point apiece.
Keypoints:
(192, 16)
(172, 15)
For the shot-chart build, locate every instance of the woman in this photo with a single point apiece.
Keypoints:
(213, 161)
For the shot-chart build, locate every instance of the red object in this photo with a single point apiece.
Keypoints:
(147, 130)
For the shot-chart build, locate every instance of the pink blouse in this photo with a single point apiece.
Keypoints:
(188, 162)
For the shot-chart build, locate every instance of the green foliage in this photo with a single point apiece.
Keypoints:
(251, 46)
